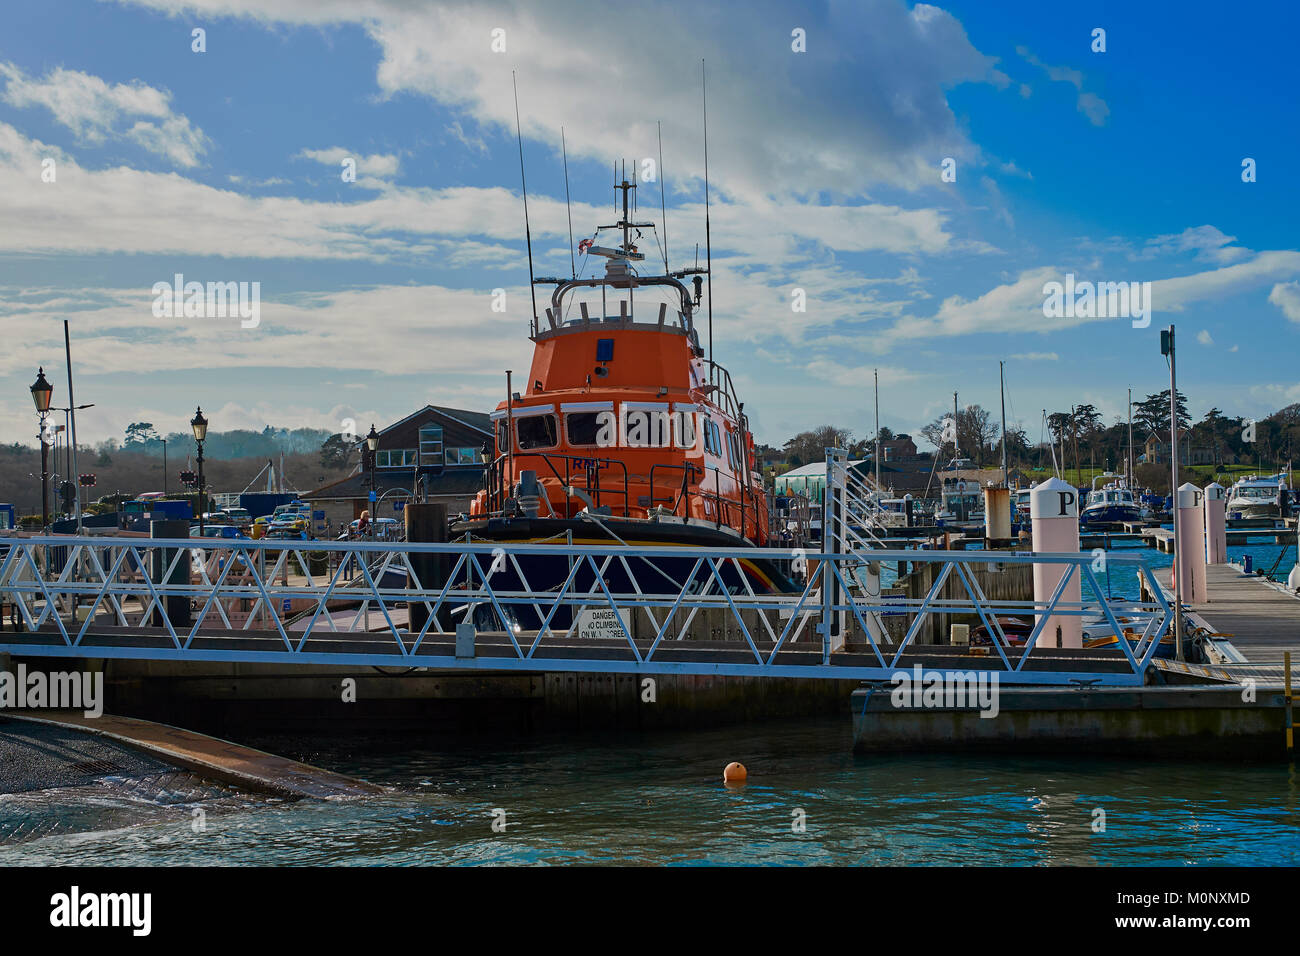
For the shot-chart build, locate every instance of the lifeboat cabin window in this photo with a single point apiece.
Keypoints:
(535, 431)
(712, 438)
(581, 428)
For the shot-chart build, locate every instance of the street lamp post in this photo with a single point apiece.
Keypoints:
(164, 444)
(41, 392)
(199, 424)
(372, 443)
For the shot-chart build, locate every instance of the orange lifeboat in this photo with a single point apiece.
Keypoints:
(624, 430)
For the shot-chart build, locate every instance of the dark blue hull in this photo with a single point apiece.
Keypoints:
(1110, 514)
(546, 573)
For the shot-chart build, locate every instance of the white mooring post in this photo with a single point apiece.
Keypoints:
(1189, 550)
(1054, 518)
(1216, 534)
(1293, 579)
(833, 624)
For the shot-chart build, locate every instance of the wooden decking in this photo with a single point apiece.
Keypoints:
(1259, 620)
(1162, 539)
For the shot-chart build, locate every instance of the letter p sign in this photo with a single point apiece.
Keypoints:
(1067, 502)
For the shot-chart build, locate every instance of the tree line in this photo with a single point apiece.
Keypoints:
(1077, 438)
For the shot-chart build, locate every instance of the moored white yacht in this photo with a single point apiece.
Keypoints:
(1257, 496)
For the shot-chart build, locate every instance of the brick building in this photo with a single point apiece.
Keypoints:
(441, 447)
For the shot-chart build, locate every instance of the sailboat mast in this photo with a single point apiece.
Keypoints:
(956, 449)
(1051, 445)
(876, 374)
(1002, 393)
(1130, 439)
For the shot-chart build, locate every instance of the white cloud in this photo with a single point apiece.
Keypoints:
(122, 210)
(1089, 104)
(1036, 357)
(1204, 338)
(1017, 306)
(1286, 296)
(1094, 107)
(408, 329)
(474, 142)
(96, 111)
(778, 120)
(1206, 242)
(372, 169)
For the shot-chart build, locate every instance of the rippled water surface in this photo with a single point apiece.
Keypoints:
(653, 799)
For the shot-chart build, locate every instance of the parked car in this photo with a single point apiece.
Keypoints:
(239, 517)
(218, 531)
(290, 521)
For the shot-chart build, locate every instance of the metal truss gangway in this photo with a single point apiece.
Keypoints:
(552, 607)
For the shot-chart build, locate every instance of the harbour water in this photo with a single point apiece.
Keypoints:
(1123, 583)
(659, 799)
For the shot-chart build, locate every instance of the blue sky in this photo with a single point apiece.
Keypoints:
(1123, 165)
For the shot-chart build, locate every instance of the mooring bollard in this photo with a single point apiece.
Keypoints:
(1189, 557)
(1216, 534)
(997, 514)
(1054, 518)
(425, 523)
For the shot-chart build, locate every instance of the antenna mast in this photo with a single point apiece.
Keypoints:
(528, 234)
(708, 240)
(573, 264)
(663, 208)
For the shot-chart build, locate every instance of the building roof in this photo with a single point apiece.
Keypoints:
(815, 469)
(479, 421)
